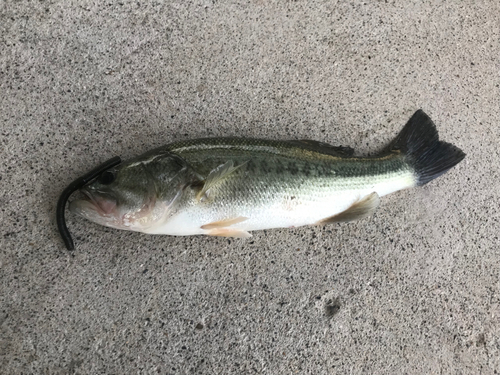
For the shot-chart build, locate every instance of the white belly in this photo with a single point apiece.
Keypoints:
(277, 212)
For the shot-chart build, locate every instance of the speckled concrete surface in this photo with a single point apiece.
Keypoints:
(415, 289)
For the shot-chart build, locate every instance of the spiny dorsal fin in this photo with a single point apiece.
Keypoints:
(324, 148)
(215, 176)
(357, 210)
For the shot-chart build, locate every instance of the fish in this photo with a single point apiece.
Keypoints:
(231, 186)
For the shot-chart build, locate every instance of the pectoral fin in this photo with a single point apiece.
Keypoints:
(358, 210)
(215, 176)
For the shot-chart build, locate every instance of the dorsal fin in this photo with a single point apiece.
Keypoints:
(323, 147)
(217, 175)
(358, 210)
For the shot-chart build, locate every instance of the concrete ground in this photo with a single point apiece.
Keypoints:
(414, 289)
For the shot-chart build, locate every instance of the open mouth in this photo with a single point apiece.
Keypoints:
(96, 208)
(70, 189)
(103, 205)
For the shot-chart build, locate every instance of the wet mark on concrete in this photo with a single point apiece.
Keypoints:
(332, 307)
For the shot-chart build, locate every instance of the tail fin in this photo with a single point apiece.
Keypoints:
(420, 143)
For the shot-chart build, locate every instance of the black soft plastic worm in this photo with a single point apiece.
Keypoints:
(74, 186)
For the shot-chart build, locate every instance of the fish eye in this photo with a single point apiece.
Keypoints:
(106, 178)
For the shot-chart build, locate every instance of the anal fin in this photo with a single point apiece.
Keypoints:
(358, 210)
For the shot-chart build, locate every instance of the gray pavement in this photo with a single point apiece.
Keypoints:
(415, 289)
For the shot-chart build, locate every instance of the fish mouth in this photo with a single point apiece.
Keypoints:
(105, 205)
(101, 208)
(98, 208)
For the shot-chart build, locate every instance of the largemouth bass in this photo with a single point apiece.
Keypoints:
(230, 186)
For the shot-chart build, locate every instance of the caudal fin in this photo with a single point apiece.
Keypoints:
(429, 157)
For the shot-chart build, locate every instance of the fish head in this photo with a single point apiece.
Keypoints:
(135, 195)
